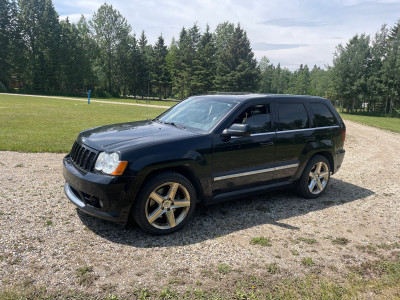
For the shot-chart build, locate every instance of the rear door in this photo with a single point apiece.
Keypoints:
(293, 134)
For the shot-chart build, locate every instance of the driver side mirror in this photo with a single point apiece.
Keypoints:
(237, 130)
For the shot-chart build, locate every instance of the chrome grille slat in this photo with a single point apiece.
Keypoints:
(90, 160)
(80, 154)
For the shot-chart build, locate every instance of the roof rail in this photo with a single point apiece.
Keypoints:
(232, 93)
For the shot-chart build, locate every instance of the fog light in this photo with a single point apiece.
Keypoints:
(100, 203)
(95, 202)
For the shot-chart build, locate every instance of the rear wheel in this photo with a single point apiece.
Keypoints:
(315, 177)
(165, 204)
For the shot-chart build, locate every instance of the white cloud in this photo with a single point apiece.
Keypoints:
(74, 18)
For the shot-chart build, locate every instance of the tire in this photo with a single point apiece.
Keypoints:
(315, 178)
(165, 204)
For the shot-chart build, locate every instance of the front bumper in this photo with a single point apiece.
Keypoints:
(103, 196)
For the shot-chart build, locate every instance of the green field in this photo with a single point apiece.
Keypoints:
(32, 124)
(140, 101)
(168, 102)
(391, 124)
(36, 124)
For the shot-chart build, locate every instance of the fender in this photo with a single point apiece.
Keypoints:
(195, 154)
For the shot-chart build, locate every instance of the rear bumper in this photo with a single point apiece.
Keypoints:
(338, 160)
(102, 196)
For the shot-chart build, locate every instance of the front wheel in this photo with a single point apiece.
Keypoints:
(315, 177)
(165, 204)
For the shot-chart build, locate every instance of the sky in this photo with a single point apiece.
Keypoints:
(291, 32)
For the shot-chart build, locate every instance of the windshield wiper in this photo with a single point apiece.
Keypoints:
(171, 123)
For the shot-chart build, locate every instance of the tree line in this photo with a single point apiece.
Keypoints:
(41, 54)
(365, 74)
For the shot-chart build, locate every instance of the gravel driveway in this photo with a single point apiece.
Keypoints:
(45, 241)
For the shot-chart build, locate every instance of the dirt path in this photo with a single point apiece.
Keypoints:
(45, 241)
(83, 100)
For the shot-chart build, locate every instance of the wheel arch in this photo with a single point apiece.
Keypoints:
(328, 155)
(182, 170)
(302, 184)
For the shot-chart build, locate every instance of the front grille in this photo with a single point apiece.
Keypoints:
(83, 156)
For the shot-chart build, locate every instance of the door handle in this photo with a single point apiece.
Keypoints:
(265, 144)
(309, 138)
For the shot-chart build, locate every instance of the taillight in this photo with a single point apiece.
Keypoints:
(343, 135)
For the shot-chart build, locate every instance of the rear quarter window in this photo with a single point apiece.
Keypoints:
(323, 116)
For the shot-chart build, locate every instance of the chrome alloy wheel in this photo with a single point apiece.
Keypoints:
(168, 205)
(318, 178)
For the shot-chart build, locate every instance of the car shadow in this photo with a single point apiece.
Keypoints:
(224, 218)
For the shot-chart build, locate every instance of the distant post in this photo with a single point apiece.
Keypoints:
(88, 99)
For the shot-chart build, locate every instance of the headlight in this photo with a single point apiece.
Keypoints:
(109, 163)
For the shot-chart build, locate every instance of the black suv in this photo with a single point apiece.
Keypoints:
(205, 149)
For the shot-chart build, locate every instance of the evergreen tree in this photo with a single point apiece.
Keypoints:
(133, 67)
(267, 70)
(194, 65)
(351, 69)
(16, 49)
(206, 56)
(5, 40)
(223, 42)
(377, 90)
(391, 74)
(186, 65)
(89, 51)
(41, 33)
(123, 61)
(281, 80)
(111, 31)
(143, 65)
(236, 66)
(171, 61)
(301, 81)
(159, 71)
(394, 31)
(69, 52)
(320, 83)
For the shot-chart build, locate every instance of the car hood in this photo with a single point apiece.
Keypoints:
(118, 136)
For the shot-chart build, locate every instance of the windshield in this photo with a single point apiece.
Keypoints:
(198, 113)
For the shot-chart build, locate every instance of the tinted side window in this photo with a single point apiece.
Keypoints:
(292, 116)
(322, 114)
(257, 116)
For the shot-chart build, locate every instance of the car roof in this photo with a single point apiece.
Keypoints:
(239, 97)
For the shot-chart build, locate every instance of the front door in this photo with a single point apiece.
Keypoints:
(245, 162)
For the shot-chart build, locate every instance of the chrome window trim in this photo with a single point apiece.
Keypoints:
(255, 172)
(295, 130)
(326, 127)
(305, 129)
(285, 131)
(254, 134)
(264, 133)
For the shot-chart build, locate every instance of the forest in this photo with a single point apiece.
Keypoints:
(41, 54)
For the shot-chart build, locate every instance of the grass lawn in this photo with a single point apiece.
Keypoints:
(391, 124)
(141, 101)
(123, 100)
(32, 124)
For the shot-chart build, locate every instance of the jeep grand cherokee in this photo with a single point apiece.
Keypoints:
(205, 149)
